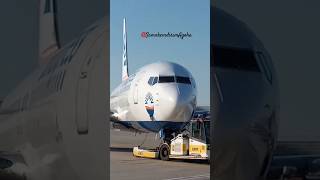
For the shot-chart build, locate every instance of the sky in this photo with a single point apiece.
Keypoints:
(162, 16)
(289, 29)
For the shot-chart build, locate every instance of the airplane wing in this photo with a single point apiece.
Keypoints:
(115, 123)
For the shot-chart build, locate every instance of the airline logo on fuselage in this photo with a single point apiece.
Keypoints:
(149, 105)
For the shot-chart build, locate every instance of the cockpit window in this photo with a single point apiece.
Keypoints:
(150, 81)
(166, 79)
(193, 83)
(265, 67)
(184, 80)
(234, 58)
(169, 79)
(155, 81)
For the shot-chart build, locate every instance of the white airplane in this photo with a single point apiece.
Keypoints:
(52, 126)
(245, 104)
(159, 97)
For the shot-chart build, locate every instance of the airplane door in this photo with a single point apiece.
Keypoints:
(136, 87)
(135, 94)
(85, 80)
(82, 96)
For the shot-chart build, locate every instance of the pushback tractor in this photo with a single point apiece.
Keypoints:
(192, 143)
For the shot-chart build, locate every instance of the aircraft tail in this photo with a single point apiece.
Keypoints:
(125, 73)
(48, 32)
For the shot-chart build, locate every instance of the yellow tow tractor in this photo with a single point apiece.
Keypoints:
(193, 143)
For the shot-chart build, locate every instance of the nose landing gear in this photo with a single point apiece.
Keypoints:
(166, 135)
(164, 147)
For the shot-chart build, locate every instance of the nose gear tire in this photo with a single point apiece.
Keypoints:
(164, 152)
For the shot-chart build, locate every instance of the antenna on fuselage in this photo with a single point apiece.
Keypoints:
(125, 73)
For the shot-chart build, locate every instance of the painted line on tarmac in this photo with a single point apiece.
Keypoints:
(203, 176)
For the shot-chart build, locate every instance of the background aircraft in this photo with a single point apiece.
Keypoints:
(53, 123)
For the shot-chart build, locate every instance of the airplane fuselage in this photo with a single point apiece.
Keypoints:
(56, 115)
(159, 96)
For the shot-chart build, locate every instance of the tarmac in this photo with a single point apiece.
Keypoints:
(124, 166)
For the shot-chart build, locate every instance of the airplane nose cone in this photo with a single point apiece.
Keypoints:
(176, 103)
(169, 99)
